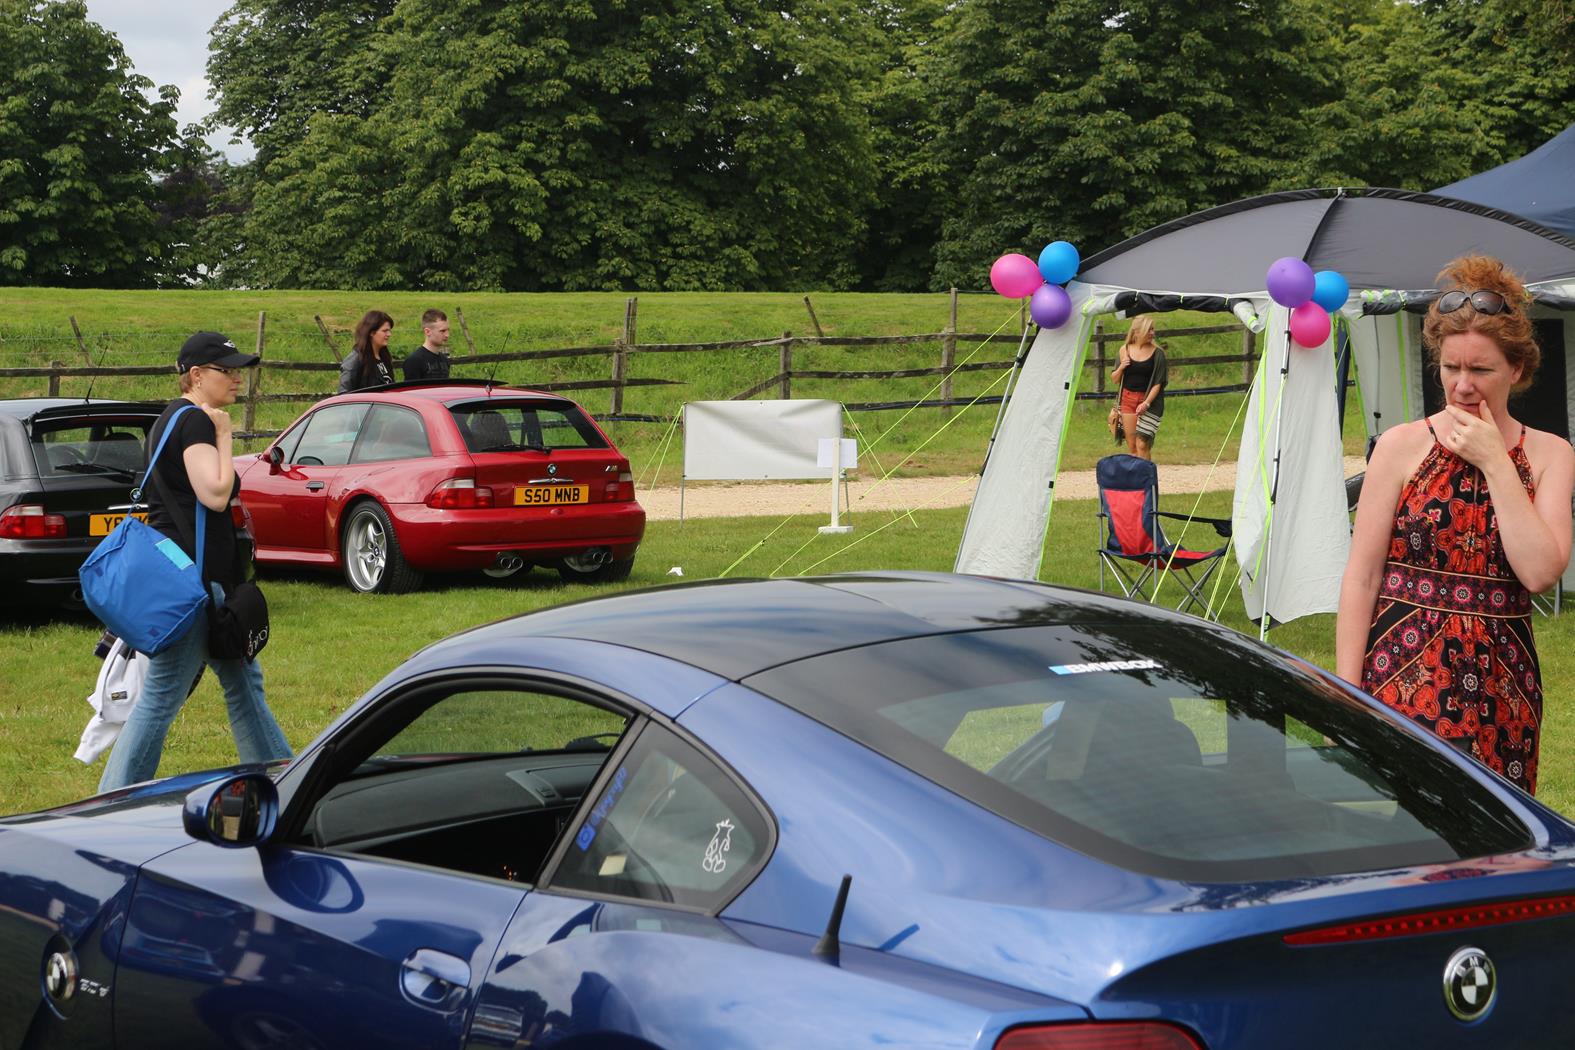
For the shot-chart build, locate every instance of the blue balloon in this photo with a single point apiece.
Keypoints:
(1058, 263)
(1330, 290)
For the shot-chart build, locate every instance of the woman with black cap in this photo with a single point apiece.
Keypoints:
(195, 475)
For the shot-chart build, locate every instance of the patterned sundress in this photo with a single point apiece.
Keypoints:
(1451, 642)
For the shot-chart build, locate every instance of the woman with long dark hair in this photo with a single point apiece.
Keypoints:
(368, 363)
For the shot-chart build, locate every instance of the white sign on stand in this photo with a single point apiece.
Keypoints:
(837, 453)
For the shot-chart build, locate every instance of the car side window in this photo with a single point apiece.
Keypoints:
(329, 436)
(480, 778)
(391, 432)
(668, 825)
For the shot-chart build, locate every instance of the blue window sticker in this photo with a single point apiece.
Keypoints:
(586, 836)
(599, 814)
(171, 550)
(1106, 665)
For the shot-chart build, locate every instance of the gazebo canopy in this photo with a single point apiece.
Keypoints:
(1539, 186)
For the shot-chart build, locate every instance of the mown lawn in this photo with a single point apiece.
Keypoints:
(330, 645)
(142, 328)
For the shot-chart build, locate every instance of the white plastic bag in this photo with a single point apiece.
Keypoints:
(113, 697)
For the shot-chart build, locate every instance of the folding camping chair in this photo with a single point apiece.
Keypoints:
(1135, 550)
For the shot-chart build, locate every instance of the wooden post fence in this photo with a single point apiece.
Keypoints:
(254, 376)
(785, 361)
(1099, 357)
(54, 378)
(1249, 350)
(327, 338)
(815, 320)
(620, 365)
(949, 353)
(80, 344)
(465, 329)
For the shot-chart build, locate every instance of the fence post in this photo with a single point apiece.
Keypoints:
(327, 338)
(785, 362)
(1249, 346)
(80, 344)
(948, 354)
(810, 307)
(54, 378)
(254, 376)
(465, 330)
(620, 369)
(1099, 356)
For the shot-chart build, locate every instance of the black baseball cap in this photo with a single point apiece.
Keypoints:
(211, 348)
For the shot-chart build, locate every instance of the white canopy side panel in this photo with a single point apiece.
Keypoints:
(1378, 348)
(1292, 554)
(1011, 509)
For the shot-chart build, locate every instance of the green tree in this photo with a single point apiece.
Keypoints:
(79, 146)
(1091, 120)
(669, 144)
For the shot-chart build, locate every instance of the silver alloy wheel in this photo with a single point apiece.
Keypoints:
(367, 548)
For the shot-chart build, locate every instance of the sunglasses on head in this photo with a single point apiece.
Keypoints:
(1482, 301)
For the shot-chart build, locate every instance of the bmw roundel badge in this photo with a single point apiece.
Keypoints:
(552, 468)
(60, 976)
(1469, 983)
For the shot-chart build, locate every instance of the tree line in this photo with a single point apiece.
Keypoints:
(881, 145)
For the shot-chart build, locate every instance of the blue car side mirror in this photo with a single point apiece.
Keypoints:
(235, 813)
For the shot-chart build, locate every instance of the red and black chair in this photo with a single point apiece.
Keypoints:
(1136, 551)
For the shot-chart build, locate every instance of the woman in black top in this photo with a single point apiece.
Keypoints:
(1143, 374)
(194, 475)
(369, 363)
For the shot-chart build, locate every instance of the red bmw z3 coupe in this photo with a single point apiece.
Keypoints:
(392, 482)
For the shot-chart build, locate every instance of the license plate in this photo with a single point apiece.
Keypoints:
(104, 524)
(551, 495)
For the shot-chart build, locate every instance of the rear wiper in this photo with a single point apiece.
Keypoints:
(95, 468)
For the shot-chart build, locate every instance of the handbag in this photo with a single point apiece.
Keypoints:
(238, 627)
(139, 582)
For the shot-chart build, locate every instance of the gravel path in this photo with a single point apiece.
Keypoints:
(742, 499)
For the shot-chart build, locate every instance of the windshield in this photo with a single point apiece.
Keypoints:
(101, 445)
(514, 426)
(1180, 751)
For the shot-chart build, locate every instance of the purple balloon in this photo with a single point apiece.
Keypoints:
(1015, 275)
(1290, 281)
(1050, 306)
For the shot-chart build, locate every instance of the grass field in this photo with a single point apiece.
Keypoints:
(142, 328)
(330, 645)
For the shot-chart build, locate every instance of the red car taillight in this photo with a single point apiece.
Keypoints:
(238, 514)
(623, 488)
(1099, 1035)
(460, 494)
(28, 521)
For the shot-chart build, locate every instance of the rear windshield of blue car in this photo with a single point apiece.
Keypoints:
(111, 446)
(1184, 752)
(498, 425)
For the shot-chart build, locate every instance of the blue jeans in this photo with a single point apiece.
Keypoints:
(258, 737)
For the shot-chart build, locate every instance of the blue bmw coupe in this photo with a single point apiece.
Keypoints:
(882, 810)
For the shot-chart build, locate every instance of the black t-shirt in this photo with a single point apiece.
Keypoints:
(169, 493)
(424, 364)
(1144, 375)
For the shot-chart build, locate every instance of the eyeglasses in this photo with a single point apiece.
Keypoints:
(227, 373)
(1482, 301)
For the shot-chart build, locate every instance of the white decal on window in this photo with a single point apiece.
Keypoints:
(1108, 665)
(721, 842)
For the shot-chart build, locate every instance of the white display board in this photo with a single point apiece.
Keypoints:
(757, 440)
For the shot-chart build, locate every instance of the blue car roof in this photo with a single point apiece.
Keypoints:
(735, 628)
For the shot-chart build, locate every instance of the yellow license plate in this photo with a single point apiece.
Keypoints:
(104, 524)
(551, 495)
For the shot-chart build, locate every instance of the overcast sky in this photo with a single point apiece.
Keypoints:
(168, 44)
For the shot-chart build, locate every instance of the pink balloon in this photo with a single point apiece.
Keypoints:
(1015, 275)
(1310, 325)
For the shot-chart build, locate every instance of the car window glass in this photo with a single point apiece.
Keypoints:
(67, 448)
(1187, 754)
(391, 432)
(292, 437)
(476, 778)
(329, 436)
(668, 826)
(511, 426)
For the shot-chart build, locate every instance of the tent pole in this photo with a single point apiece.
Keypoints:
(1274, 482)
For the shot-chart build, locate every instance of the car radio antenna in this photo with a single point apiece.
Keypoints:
(830, 945)
(506, 337)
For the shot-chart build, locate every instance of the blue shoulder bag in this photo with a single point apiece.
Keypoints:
(139, 582)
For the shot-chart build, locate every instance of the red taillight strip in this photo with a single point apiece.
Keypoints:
(1437, 921)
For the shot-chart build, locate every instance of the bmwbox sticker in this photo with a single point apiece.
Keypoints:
(1107, 665)
(587, 833)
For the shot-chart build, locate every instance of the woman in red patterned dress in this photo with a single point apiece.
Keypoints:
(1464, 515)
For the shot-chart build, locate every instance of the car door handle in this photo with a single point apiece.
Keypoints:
(313, 486)
(434, 979)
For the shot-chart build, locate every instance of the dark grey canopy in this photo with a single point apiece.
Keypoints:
(1539, 186)
(1376, 238)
